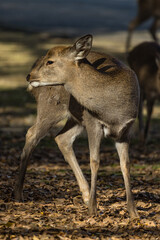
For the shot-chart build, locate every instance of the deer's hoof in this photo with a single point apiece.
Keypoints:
(85, 197)
(92, 209)
(134, 214)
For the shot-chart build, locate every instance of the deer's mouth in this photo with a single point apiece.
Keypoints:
(36, 83)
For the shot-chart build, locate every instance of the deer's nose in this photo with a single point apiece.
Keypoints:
(28, 77)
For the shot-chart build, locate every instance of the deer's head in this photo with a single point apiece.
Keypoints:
(60, 63)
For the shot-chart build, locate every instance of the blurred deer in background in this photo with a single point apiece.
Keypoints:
(146, 9)
(144, 59)
(109, 94)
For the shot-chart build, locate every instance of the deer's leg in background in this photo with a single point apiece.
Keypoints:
(122, 149)
(154, 27)
(150, 103)
(95, 132)
(65, 141)
(140, 118)
(132, 25)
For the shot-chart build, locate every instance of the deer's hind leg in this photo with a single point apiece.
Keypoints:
(95, 132)
(122, 149)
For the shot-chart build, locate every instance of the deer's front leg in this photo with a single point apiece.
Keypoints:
(30, 144)
(65, 141)
(122, 149)
(33, 136)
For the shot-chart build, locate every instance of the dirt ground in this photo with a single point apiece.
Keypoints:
(53, 206)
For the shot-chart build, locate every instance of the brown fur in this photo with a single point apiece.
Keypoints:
(105, 95)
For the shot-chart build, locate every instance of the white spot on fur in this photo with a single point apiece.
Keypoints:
(35, 84)
(106, 131)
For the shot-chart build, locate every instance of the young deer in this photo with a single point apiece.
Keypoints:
(146, 10)
(144, 59)
(109, 93)
(52, 107)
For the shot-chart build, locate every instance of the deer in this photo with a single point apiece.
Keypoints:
(144, 59)
(146, 9)
(52, 107)
(108, 92)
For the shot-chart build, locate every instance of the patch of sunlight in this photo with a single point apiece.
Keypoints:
(113, 42)
(116, 42)
(14, 54)
(49, 45)
(10, 82)
(53, 42)
(156, 111)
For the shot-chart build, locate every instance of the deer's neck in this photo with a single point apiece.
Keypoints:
(86, 84)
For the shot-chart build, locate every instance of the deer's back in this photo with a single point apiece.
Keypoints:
(107, 88)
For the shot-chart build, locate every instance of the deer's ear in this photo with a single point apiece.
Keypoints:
(82, 47)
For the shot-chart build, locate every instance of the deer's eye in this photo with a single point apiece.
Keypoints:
(50, 62)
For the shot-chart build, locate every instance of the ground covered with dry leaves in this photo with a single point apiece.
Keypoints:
(53, 206)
